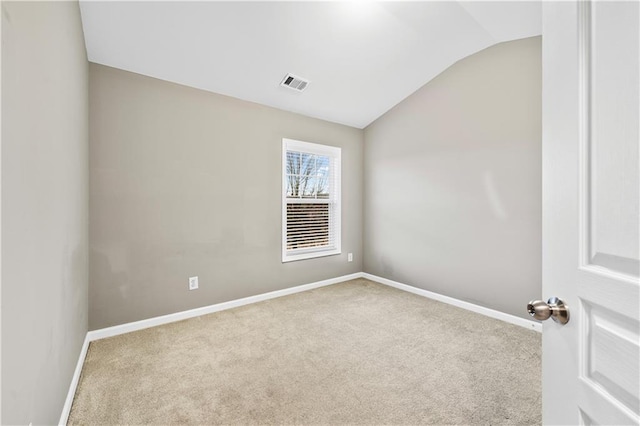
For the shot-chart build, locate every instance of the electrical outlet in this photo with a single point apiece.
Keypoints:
(350, 257)
(193, 283)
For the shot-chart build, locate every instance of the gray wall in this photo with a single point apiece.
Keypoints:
(44, 207)
(453, 182)
(184, 182)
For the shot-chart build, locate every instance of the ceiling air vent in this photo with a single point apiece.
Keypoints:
(294, 82)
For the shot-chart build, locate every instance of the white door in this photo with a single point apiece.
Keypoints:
(591, 252)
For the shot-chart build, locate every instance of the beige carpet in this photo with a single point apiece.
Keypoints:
(356, 352)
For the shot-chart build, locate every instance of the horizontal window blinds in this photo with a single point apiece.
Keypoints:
(308, 226)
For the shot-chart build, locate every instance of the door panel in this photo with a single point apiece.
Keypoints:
(609, 33)
(608, 148)
(591, 211)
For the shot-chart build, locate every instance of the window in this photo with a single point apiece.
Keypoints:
(310, 200)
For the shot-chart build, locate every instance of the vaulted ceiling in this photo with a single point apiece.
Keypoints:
(361, 57)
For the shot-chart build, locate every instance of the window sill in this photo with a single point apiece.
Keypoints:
(309, 255)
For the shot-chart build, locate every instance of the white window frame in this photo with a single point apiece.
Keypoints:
(335, 198)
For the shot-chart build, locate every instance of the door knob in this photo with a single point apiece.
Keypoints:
(554, 308)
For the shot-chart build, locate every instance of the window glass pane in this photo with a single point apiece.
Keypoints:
(309, 188)
(295, 184)
(307, 165)
(293, 163)
(303, 186)
(323, 163)
(289, 187)
(323, 190)
(323, 176)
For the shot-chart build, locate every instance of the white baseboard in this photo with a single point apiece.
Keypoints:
(66, 409)
(459, 303)
(192, 313)
(179, 316)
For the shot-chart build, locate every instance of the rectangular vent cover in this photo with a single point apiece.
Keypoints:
(294, 82)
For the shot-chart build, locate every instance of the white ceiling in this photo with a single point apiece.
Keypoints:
(362, 57)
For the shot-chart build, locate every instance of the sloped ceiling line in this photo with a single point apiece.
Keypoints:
(362, 57)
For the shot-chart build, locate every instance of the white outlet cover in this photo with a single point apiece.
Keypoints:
(350, 257)
(193, 283)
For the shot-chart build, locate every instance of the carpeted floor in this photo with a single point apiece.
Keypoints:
(356, 352)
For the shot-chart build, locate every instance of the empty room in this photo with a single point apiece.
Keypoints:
(313, 212)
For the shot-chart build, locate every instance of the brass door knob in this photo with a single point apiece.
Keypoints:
(554, 308)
